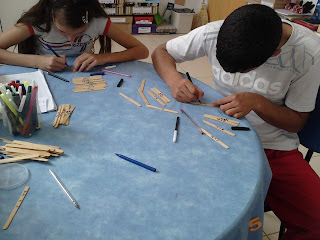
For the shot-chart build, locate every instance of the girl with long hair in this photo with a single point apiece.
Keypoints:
(70, 28)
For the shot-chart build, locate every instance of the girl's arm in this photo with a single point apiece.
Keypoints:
(16, 35)
(134, 50)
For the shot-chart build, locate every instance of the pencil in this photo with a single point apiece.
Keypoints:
(117, 73)
(56, 76)
(64, 189)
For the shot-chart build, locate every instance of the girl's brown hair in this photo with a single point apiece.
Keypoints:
(69, 12)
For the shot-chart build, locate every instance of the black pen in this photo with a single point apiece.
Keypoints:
(120, 83)
(240, 128)
(56, 76)
(175, 133)
(188, 76)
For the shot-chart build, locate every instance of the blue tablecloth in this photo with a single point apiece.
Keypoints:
(202, 191)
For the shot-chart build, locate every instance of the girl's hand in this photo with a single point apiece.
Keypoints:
(86, 61)
(51, 63)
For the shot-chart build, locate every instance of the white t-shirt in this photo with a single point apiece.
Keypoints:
(62, 46)
(292, 78)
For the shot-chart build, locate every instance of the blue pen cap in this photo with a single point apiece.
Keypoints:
(97, 73)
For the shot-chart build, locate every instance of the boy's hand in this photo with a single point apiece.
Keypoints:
(86, 61)
(52, 63)
(238, 105)
(184, 91)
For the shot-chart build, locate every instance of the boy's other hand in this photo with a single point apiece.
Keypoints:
(184, 91)
(237, 105)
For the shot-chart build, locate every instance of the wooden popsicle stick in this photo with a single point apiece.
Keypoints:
(143, 96)
(158, 100)
(224, 120)
(215, 139)
(202, 104)
(162, 109)
(63, 114)
(16, 159)
(161, 95)
(11, 145)
(37, 145)
(131, 100)
(219, 128)
(94, 82)
(56, 120)
(168, 110)
(32, 158)
(142, 85)
(88, 89)
(86, 79)
(5, 140)
(69, 114)
(27, 151)
(16, 207)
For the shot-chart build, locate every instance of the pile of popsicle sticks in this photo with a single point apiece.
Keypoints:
(21, 150)
(87, 84)
(158, 96)
(63, 115)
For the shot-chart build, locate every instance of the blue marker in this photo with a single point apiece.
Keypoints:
(54, 52)
(97, 73)
(137, 163)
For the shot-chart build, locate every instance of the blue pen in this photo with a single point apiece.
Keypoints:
(137, 163)
(54, 52)
(97, 73)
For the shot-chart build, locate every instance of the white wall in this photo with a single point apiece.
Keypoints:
(11, 10)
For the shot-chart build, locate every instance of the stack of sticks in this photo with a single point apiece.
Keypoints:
(63, 115)
(87, 84)
(21, 150)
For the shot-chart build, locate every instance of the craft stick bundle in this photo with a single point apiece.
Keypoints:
(22, 150)
(87, 84)
(63, 115)
(20, 107)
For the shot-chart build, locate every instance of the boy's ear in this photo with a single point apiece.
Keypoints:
(276, 53)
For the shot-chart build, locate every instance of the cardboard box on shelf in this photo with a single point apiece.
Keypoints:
(143, 28)
(124, 23)
(143, 20)
(253, 2)
(275, 4)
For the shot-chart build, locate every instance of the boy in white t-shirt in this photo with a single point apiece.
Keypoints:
(268, 70)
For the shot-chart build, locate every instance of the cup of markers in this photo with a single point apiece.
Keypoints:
(19, 107)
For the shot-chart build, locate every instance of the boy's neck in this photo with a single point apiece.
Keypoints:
(286, 33)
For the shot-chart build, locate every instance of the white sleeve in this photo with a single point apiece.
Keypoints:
(303, 91)
(188, 47)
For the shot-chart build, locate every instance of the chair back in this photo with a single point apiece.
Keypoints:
(310, 134)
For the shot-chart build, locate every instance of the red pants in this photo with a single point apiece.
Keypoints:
(294, 194)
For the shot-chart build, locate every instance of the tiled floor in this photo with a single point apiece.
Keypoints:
(201, 70)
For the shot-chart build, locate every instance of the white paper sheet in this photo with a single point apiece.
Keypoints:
(45, 99)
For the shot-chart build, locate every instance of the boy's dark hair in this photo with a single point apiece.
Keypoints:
(70, 13)
(248, 37)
